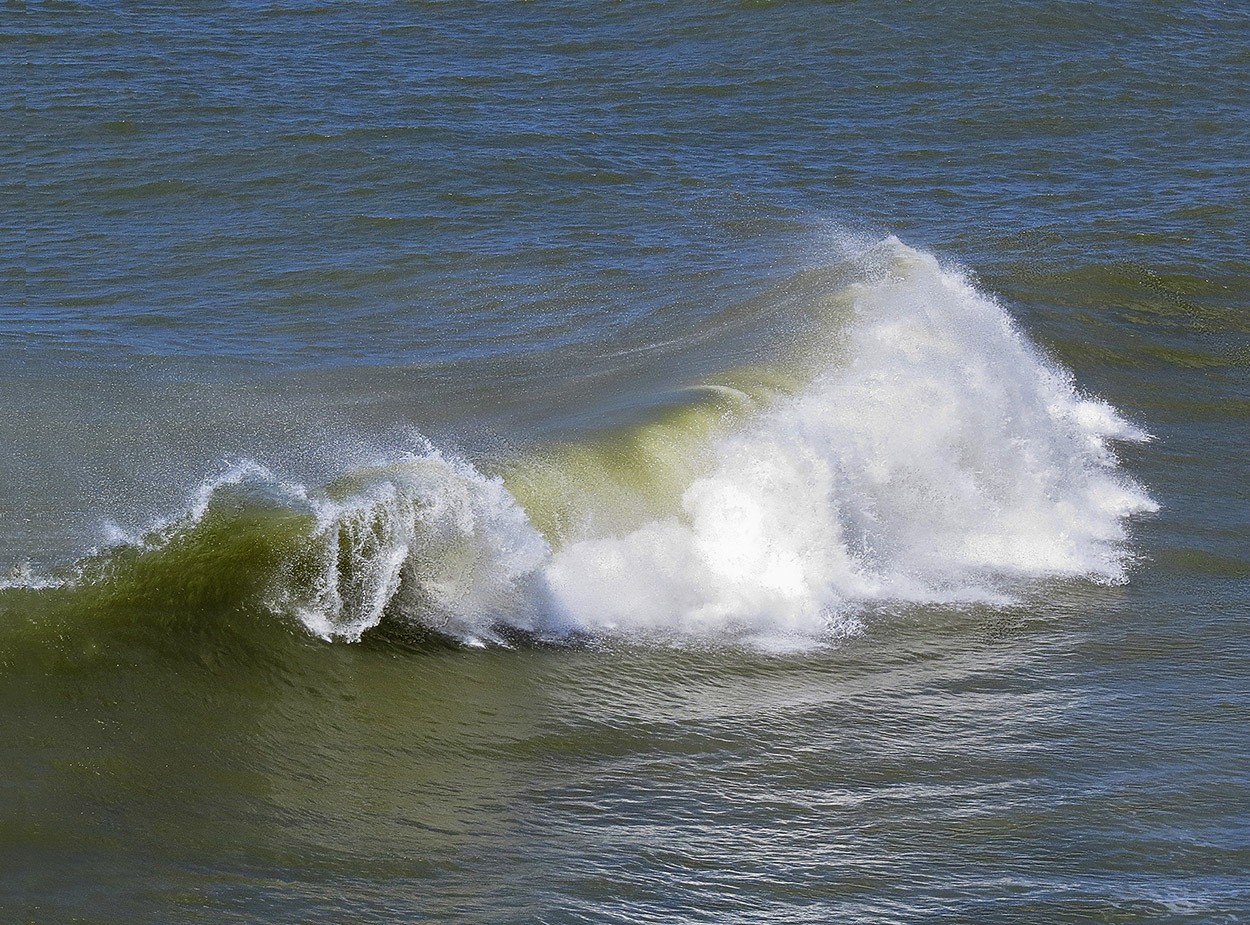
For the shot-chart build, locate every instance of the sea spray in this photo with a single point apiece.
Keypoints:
(427, 536)
(943, 461)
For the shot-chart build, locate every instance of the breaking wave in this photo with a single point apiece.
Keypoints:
(929, 453)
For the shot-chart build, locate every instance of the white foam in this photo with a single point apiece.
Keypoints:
(242, 472)
(23, 577)
(945, 460)
(427, 536)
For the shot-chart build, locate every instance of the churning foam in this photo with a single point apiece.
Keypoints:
(942, 461)
(428, 536)
(942, 458)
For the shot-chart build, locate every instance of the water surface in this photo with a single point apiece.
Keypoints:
(763, 462)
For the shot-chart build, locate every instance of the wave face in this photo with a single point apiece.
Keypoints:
(931, 454)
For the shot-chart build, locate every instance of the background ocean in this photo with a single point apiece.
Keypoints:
(624, 462)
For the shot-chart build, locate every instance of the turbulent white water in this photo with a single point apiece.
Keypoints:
(427, 536)
(943, 461)
(939, 458)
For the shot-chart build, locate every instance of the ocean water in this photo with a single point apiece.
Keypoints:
(772, 462)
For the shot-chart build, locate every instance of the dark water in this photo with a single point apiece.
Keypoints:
(552, 462)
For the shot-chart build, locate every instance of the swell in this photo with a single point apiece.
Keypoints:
(913, 448)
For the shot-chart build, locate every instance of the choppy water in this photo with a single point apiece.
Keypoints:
(754, 462)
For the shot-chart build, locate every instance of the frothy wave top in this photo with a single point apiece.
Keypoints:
(934, 456)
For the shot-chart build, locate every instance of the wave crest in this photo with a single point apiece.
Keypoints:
(427, 536)
(934, 455)
(943, 461)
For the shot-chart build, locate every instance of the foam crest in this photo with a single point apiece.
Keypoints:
(943, 461)
(935, 456)
(427, 538)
